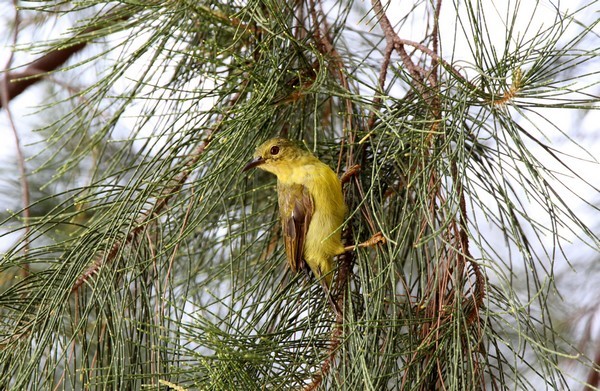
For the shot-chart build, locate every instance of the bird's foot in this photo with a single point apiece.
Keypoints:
(375, 239)
(350, 172)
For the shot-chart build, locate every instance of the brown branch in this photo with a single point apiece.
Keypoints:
(392, 39)
(434, 62)
(19, 81)
(436, 27)
(36, 70)
(465, 254)
(393, 42)
(326, 47)
(399, 43)
(336, 339)
(4, 99)
(389, 48)
(434, 56)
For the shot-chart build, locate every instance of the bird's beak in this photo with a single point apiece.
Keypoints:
(254, 163)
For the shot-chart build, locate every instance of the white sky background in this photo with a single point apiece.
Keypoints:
(582, 291)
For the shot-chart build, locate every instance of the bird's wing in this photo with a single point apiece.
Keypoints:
(296, 208)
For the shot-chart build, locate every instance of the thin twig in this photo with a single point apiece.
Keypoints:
(392, 38)
(146, 217)
(465, 254)
(4, 100)
(389, 49)
(436, 28)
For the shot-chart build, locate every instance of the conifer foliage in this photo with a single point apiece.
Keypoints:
(147, 260)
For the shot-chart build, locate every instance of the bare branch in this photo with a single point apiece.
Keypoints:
(392, 39)
(4, 99)
(18, 81)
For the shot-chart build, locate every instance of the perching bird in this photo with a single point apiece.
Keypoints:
(311, 207)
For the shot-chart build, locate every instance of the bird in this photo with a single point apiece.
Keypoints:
(311, 207)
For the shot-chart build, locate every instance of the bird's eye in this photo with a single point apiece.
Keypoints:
(274, 150)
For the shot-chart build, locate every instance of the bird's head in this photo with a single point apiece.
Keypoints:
(278, 154)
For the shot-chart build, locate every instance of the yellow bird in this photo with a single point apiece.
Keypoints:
(311, 206)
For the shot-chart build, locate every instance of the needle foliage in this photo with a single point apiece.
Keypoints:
(149, 261)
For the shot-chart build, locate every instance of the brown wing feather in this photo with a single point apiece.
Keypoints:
(296, 208)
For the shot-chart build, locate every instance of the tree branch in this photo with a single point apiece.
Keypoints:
(18, 81)
(4, 99)
(392, 39)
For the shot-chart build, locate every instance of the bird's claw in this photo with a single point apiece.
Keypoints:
(350, 172)
(376, 239)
